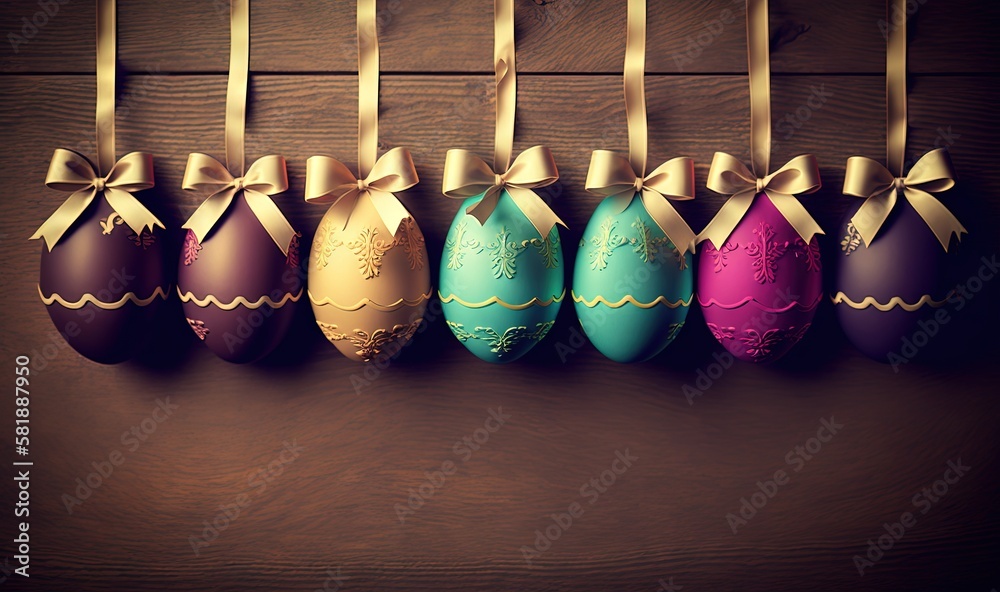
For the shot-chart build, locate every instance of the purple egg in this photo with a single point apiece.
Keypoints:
(759, 291)
(238, 290)
(885, 290)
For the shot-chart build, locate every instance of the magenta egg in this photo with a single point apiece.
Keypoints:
(759, 291)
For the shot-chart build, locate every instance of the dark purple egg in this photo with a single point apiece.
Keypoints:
(237, 288)
(103, 284)
(888, 294)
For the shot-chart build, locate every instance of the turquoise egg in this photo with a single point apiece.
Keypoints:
(501, 283)
(631, 285)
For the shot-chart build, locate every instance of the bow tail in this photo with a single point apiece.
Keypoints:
(209, 212)
(940, 220)
(271, 218)
(796, 214)
(135, 215)
(389, 208)
(537, 211)
(725, 221)
(484, 207)
(65, 215)
(669, 220)
(872, 215)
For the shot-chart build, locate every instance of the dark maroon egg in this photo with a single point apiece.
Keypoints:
(887, 294)
(238, 290)
(103, 284)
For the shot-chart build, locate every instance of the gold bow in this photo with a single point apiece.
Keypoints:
(611, 175)
(72, 172)
(265, 177)
(729, 176)
(467, 175)
(329, 181)
(933, 173)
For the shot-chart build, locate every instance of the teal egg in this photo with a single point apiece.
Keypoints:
(501, 283)
(631, 285)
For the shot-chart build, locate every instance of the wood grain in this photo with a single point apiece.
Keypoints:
(457, 36)
(369, 435)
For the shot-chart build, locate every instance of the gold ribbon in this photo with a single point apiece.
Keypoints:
(329, 181)
(71, 172)
(612, 176)
(466, 175)
(880, 186)
(867, 178)
(729, 176)
(265, 177)
(74, 173)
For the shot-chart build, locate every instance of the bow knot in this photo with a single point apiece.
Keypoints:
(72, 172)
(466, 175)
(729, 176)
(612, 176)
(328, 181)
(933, 173)
(265, 177)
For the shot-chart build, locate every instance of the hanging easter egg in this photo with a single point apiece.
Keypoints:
(501, 283)
(884, 291)
(236, 286)
(103, 284)
(760, 289)
(631, 286)
(368, 288)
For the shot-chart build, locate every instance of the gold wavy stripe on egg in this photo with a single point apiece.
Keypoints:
(869, 301)
(239, 300)
(631, 300)
(327, 301)
(91, 299)
(496, 300)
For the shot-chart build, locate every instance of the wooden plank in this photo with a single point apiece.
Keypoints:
(334, 506)
(457, 36)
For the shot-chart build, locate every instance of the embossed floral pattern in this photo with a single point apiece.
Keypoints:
(851, 241)
(144, 239)
(191, 248)
(765, 253)
(721, 333)
(720, 257)
(757, 345)
(113, 220)
(412, 241)
(325, 244)
(199, 328)
(292, 259)
(456, 246)
(811, 253)
(605, 243)
(548, 249)
(370, 249)
(504, 252)
(371, 345)
(502, 343)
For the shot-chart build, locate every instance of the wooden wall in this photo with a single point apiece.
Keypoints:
(332, 508)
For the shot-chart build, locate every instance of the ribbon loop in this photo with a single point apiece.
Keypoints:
(265, 177)
(870, 180)
(466, 175)
(727, 175)
(329, 181)
(73, 173)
